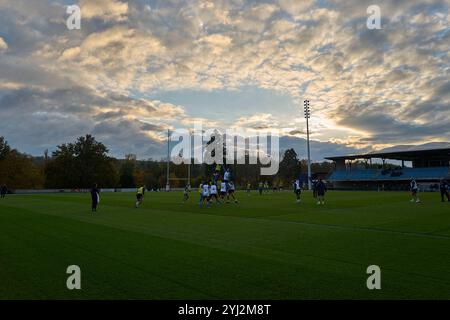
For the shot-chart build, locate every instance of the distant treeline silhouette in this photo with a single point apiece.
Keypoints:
(80, 164)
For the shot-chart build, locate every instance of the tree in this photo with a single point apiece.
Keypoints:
(5, 149)
(155, 172)
(126, 173)
(289, 166)
(139, 177)
(60, 169)
(81, 164)
(18, 171)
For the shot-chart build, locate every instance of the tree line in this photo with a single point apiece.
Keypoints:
(80, 164)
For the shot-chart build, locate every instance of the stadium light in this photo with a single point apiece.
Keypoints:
(168, 161)
(307, 116)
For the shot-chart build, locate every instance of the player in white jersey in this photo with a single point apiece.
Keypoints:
(223, 190)
(297, 190)
(414, 189)
(231, 190)
(226, 176)
(205, 194)
(213, 193)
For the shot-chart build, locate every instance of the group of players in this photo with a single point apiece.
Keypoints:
(209, 192)
(319, 189)
(223, 191)
(215, 190)
(444, 187)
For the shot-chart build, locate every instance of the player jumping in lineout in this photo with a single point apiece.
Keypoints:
(227, 175)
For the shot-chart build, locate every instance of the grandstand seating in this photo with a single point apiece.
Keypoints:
(431, 173)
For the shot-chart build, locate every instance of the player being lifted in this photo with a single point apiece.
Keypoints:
(140, 196)
(215, 177)
(227, 175)
(231, 189)
(297, 189)
(414, 190)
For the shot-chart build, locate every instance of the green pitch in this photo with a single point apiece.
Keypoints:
(265, 247)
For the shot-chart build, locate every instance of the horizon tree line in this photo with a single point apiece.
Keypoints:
(84, 162)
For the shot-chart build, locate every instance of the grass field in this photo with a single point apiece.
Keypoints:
(265, 247)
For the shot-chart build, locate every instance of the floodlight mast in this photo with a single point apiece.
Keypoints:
(307, 116)
(168, 161)
(189, 164)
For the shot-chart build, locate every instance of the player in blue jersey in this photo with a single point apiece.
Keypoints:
(443, 188)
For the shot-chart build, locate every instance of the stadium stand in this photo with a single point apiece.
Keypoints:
(428, 167)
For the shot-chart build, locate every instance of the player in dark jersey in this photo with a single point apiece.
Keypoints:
(3, 191)
(186, 191)
(95, 197)
(314, 187)
(321, 189)
(443, 188)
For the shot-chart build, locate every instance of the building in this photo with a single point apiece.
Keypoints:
(392, 171)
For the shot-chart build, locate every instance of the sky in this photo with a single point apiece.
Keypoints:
(137, 68)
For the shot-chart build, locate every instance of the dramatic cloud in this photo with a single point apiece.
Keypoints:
(137, 68)
(104, 9)
(3, 45)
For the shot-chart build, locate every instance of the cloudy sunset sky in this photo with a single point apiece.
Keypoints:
(137, 68)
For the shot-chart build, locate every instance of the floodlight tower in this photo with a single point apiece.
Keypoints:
(190, 158)
(168, 161)
(307, 116)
